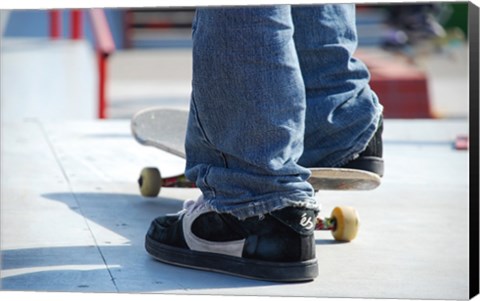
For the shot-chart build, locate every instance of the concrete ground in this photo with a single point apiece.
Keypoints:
(72, 219)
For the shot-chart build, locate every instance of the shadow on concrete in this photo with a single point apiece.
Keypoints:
(117, 263)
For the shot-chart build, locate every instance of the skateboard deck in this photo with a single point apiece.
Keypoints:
(166, 129)
(161, 128)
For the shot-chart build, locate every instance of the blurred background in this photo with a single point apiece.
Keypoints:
(110, 63)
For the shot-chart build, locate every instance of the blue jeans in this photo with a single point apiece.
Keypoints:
(275, 89)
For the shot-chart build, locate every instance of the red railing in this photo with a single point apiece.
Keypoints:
(55, 24)
(104, 47)
(104, 44)
(77, 24)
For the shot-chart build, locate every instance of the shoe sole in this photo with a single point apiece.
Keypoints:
(243, 267)
(371, 164)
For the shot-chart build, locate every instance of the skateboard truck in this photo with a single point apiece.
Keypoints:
(151, 181)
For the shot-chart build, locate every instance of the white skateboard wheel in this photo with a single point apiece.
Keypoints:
(150, 182)
(346, 223)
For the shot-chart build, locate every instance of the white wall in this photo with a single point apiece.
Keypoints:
(47, 80)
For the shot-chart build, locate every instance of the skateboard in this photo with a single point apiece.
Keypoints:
(166, 129)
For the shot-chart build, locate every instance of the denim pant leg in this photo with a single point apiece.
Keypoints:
(342, 111)
(246, 122)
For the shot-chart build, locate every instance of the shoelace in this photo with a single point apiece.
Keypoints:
(191, 205)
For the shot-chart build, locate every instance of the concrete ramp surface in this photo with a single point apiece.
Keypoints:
(73, 219)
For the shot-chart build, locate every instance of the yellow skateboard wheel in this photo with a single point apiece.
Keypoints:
(150, 182)
(346, 223)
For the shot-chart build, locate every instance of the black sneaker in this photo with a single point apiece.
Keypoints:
(371, 159)
(280, 246)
